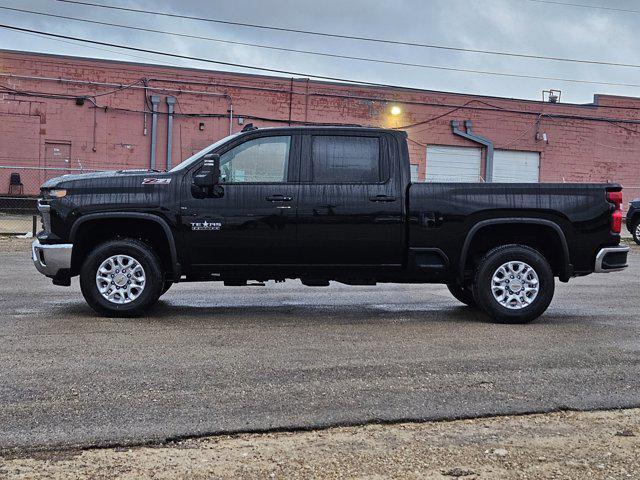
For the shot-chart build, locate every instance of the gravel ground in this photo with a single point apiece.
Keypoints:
(594, 445)
(11, 244)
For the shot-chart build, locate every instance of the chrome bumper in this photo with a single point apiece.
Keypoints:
(611, 259)
(50, 259)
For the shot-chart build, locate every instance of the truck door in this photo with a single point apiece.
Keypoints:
(254, 222)
(351, 202)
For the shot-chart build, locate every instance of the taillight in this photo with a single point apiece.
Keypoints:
(615, 198)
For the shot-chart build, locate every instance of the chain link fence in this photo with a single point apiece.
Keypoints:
(19, 189)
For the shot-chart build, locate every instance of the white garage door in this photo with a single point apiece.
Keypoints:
(453, 164)
(511, 166)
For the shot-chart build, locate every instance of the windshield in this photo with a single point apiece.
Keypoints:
(196, 156)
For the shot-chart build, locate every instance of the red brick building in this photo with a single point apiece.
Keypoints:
(68, 113)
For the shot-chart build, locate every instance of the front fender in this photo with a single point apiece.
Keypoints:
(170, 237)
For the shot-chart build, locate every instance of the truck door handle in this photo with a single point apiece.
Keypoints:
(382, 198)
(278, 198)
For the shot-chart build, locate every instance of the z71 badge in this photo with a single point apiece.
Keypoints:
(206, 225)
(156, 181)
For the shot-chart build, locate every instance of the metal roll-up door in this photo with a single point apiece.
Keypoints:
(453, 164)
(516, 167)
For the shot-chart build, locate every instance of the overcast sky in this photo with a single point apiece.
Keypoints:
(522, 26)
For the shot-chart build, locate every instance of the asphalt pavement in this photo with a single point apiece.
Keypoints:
(212, 359)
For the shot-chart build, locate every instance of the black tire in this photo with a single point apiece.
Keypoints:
(463, 294)
(483, 282)
(153, 274)
(166, 286)
(636, 232)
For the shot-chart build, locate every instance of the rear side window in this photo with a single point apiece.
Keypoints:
(344, 159)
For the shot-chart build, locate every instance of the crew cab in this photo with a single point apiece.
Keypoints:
(322, 204)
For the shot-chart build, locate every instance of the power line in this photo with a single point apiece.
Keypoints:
(291, 50)
(433, 119)
(612, 121)
(139, 57)
(198, 59)
(582, 5)
(161, 113)
(352, 37)
(288, 72)
(487, 107)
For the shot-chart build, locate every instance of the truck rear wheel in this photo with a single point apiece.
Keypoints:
(513, 284)
(636, 232)
(121, 278)
(462, 293)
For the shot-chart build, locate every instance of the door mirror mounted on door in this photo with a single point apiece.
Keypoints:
(206, 180)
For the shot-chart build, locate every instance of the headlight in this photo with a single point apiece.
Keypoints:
(56, 193)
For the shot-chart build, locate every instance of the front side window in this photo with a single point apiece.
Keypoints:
(262, 160)
(344, 159)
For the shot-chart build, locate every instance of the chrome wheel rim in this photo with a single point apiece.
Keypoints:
(120, 279)
(515, 285)
(638, 232)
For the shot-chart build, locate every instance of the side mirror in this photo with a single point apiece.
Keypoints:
(205, 182)
(209, 174)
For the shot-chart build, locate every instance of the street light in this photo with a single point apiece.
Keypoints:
(396, 110)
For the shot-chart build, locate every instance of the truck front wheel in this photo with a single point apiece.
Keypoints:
(636, 232)
(513, 284)
(121, 278)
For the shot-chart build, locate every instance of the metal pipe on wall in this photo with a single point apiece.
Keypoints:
(155, 100)
(469, 135)
(170, 102)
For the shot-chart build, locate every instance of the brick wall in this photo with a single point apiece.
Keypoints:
(585, 142)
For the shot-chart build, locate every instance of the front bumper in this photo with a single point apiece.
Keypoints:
(611, 259)
(51, 260)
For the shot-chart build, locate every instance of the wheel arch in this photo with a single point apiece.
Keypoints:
(101, 218)
(564, 267)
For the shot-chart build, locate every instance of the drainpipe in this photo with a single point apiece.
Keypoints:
(155, 100)
(469, 135)
(170, 102)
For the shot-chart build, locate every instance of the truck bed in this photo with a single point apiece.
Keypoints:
(442, 215)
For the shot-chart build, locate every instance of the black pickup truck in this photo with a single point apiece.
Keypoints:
(321, 204)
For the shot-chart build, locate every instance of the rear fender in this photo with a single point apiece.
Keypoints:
(565, 267)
